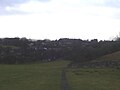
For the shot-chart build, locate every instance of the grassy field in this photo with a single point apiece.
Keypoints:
(94, 79)
(47, 76)
(42, 76)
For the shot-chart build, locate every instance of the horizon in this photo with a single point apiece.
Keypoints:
(112, 39)
(55, 19)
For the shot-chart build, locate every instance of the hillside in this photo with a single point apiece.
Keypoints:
(111, 60)
(109, 57)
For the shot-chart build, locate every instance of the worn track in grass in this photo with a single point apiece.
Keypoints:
(64, 81)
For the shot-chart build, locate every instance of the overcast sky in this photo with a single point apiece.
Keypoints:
(54, 19)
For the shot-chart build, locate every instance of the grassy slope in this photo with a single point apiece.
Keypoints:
(94, 79)
(44, 76)
(113, 56)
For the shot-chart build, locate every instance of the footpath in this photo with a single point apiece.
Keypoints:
(64, 81)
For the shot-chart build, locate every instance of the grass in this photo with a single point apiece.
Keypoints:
(41, 76)
(94, 79)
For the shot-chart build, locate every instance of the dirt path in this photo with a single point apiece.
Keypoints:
(64, 82)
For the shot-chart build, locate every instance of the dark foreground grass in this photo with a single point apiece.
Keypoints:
(43, 76)
(94, 79)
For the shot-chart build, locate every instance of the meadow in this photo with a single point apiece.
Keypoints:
(41, 76)
(47, 76)
(94, 79)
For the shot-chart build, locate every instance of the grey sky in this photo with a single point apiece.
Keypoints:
(54, 19)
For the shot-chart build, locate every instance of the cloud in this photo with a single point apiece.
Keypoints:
(4, 3)
(30, 7)
(13, 2)
(8, 7)
(106, 8)
(113, 3)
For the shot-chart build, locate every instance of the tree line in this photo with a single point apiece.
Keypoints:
(22, 50)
